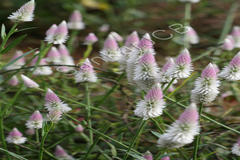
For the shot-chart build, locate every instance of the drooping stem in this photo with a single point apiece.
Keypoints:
(89, 113)
(138, 133)
(88, 51)
(197, 141)
(43, 140)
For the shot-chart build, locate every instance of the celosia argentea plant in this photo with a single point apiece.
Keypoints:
(128, 106)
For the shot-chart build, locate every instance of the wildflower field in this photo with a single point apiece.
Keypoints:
(119, 80)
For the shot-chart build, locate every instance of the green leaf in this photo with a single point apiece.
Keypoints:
(13, 44)
(13, 154)
(113, 149)
(14, 60)
(3, 31)
(156, 134)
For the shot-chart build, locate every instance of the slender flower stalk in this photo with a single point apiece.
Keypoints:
(89, 113)
(138, 133)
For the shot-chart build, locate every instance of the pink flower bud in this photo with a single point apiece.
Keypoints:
(184, 57)
(148, 156)
(76, 16)
(228, 43)
(21, 61)
(51, 97)
(62, 29)
(155, 93)
(51, 31)
(110, 43)
(146, 42)
(30, 131)
(28, 82)
(104, 28)
(53, 53)
(15, 133)
(170, 63)
(116, 36)
(13, 81)
(236, 60)
(91, 38)
(132, 39)
(147, 58)
(63, 50)
(36, 116)
(209, 72)
(190, 115)
(60, 152)
(79, 128)
(166, 158)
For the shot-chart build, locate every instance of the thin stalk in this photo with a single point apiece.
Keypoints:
(43, 141)
(139, 131)
(169, 84)
(3, 142)
(11, 32)
(111, 90)
(86, 54)
(187, 19)
(198, 138)
(88, 108)
(71, 40)
(37, 136)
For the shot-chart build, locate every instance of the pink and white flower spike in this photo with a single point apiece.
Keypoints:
(111, 51)
(206, 86)
(53, 102)
(228, 43)
(79, 128)
(117, 37)
(19, 63)
(75, 21)
(152, 105)
(191, 36)
(236, 36)
(35, 121)
(183, 130)
(28, 82)
(183, 65)
(231, 72)
(57, 34)
(16, 137)
(13, 81)
(25, 13)
(86, 73)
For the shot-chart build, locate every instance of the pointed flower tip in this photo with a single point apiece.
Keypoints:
(147, 58)
(28, 82)
(36, 116)
(146, 42)
(51, 97)
(229, 43)
(155, 93)
(166, 158)
(60, 152)
(184, 57)
(169, 64)
(110, 43)
(209, 71)
(15, 133)
(116, 36)
(236, 60)
(148, 155)
(91, 38)
(63, 50)
(190, 115)
(132, 39)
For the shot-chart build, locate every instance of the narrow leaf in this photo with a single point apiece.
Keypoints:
(3, 31)
(13, 154)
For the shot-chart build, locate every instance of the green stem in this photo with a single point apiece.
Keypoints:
(88, 51)
(89, 113)
(11, 32)
(139, 131)
(37, 136)
(111, 90)
(71, 40)
(169, 84)
(43, 141)
(197, 141)
(187, 19)
(2, 136)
